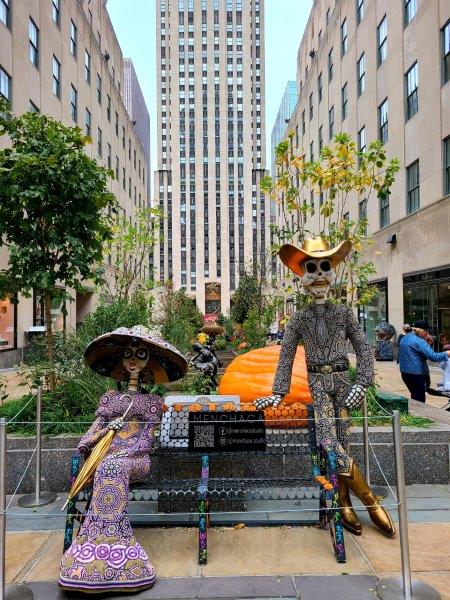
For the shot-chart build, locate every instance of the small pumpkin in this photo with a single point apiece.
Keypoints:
(251, 376)
(288, 416)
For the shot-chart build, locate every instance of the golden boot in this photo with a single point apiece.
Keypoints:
(349, 517)
(379, 515)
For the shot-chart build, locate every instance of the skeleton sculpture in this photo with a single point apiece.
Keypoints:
(324, 329)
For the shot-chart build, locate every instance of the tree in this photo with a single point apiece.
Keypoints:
(340, 171)
(54, 206)
(181, 320)
(130, 249)
(247, 295)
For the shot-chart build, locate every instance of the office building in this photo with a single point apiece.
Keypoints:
(287, 106)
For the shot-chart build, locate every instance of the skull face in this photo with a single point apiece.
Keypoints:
(318, 277)
(135, 357)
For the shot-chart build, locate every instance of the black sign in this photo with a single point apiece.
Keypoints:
(211, 431)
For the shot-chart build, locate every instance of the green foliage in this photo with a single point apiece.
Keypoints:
(181, 319)
(247, 295)
(256, 325)
(195, 383)
(129, 249)
(220, 343)
(227, 324)
(340, 170)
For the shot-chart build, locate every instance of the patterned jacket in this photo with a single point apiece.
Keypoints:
(324, 330)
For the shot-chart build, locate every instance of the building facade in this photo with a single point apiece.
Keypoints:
(378, 69)
(211, 146)
(63, 58)
(137, 111)
(287, 107)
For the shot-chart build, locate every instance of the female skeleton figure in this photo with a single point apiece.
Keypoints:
(324, 329)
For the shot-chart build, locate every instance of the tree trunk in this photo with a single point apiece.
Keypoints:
(49, 335)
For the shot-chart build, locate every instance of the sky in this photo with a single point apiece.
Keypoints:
(285, 22)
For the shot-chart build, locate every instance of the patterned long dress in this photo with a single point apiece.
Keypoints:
(105, 555)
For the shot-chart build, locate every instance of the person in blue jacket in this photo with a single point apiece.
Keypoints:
(413, 354)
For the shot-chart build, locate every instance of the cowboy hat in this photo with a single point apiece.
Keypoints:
(317, 247)
(104, 355)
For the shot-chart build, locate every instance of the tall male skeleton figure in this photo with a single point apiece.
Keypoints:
(324, 329)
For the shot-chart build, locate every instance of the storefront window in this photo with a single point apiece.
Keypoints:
(8, 325)
(374, 312)
(57, 312)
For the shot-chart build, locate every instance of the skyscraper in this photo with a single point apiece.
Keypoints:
(211, 146)
(137, 110)
(287, 106)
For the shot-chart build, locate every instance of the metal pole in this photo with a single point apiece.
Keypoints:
(395, 588)
(38, 498)
(402, 509)
(10, 592)
(366, 441)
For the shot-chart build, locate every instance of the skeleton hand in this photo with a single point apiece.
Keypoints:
(116, 424)
(266, 401)
(355, 396)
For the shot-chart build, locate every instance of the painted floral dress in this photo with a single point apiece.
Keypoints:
(105, 554)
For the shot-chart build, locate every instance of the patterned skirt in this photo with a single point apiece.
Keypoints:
(105, 555)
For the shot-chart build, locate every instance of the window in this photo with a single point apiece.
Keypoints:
(382, 40)
(330, 64)
(108, 107)
(99, 142)
(4, 12)
(33, 43)
(87, 66)
(56, 69)
(33, 108)
(383, 121)
(99, 89)
(362, 213)
(446, 156)
(412, 95)
(361, 74)
(446, 52)
(311, 106)
(410, 10)
(109, 155)
(359, 11)
(73, 39)
(413, 188)
(320, 138)
(311, 151)
(5, 85)
(331, 122)
(362, 140)
(319, 87)
(88, 122)
(303, 123)
(384, 211)
(344, 37)
(344, 101)
(74, 103)
(55, 11)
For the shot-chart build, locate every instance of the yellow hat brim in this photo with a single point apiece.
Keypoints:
(293, 257)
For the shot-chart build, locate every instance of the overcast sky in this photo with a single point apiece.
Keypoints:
(285, 22)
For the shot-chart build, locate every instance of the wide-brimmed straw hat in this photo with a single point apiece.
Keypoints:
(317, 247)
(104, 355)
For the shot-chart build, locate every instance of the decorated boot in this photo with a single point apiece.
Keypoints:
(349, 517)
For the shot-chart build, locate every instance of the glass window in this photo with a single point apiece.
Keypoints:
(382, 40)
(5, 12)
(33, 43)
(320, 139)
(8, 323)
(331, 122)
(446, 156)
(88, 122)
(311, 106)
(344, 37)
(319, 87)
(100, 142)
(384, 211)
(446, 52)
(56, 11)
(33, 108)
(344, 97)
(108, 107)
(87, 66)
(99, 89)
(410, 10)
(303, 123)
(362, 140)
(361, 74)
(73, 39)
(311, 151)
(5, 85)
(74, 103)
(412, 94)
(383, 121)
(330, 64)
(56, 84)
(359, 11)
(413, 188)
(362, 214)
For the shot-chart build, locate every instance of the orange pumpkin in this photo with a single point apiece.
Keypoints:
(251, 376)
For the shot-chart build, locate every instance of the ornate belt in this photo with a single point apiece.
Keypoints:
(327, 369)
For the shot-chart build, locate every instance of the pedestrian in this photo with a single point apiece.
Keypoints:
(406, 329)
(413, 353)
